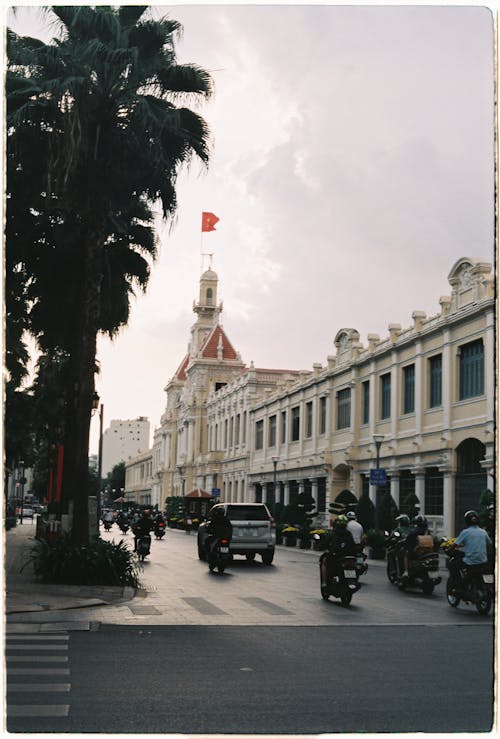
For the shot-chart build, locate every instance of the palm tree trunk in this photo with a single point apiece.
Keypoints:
(83, 364)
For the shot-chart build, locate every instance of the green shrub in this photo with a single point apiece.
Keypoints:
(99, 563)
(365, 511)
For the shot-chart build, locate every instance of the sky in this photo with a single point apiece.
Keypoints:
(351, 167)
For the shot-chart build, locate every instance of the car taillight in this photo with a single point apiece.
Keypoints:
(224, 541)
(272, 522)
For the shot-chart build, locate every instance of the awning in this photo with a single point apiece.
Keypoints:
(198, 493)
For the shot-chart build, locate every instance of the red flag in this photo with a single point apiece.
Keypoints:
(208, 221)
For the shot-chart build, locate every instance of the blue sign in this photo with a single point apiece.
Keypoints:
(378, 477)
(215, 492)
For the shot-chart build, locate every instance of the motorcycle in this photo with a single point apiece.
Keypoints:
(219, 555)
(361, 563)
(143, 546)
(423, 570)
(124, 527)
(159, 530)
(107, 525)
(341, 585)
(474, 584)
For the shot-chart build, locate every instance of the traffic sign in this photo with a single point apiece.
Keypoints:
(215, 492)
(378, 476)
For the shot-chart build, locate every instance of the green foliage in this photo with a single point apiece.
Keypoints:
(486, 498)
(300, 512)
(411, 506)
(174, 506)
(376, 540)
(115, 480)
(365, 511)
(99, 563)
(387, 512)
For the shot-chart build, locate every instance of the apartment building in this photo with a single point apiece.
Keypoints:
(424, 395)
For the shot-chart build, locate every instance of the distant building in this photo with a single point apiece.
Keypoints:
(123, 441)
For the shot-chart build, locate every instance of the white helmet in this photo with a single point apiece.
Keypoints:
(351, 515)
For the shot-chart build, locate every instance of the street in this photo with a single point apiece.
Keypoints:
(256, 650)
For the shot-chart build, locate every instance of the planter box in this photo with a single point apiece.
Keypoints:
(290, 541)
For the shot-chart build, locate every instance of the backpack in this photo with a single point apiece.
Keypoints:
(425, 544)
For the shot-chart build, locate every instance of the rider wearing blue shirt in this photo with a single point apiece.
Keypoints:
(473, 541)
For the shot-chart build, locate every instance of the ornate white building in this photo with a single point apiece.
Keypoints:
(424, 393)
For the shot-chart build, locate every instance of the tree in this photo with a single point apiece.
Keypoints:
(411, 505)
(102, 100)
(387, 513)
(365, 511)
(115, 480)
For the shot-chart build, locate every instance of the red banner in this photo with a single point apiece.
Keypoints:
(208, 221)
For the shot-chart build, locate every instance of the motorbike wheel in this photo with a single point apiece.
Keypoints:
(201, 554)
(250, 556)
(428, 588)
(483, 606)
(452, 599)
(211, 567)
(391, 571)
(324, 592)
(267, 557)
(221, 569)
(346, 597)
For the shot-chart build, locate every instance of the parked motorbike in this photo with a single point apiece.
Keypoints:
(159, 530)
(341, 585)
(218, 555)
(474, 584)
(423, 570)
(361, 563)
(143, 546)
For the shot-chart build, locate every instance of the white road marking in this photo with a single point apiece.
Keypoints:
(38, 687)
(35, 710)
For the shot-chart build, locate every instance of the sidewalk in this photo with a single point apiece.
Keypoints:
(25, 594)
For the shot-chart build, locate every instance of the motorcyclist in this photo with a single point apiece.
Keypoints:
(355, 528)
(403, 528)
(107, 518)
(403, 525)
(142, 527)
(340, 543)
(218, 527)
(420, 528)
(474, 542)
(159, 519)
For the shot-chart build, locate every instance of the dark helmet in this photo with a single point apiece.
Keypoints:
(420, 520)
(471, 518)
(341, 520)
(218, 512)
(403, 520)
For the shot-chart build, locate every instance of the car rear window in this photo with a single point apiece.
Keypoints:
(247, 513)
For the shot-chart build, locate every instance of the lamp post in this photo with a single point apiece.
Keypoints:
(95, 406)
(378, 439)
(275, 466)
(21, 481)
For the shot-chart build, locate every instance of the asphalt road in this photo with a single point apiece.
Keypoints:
(255, 650)
(275, 680)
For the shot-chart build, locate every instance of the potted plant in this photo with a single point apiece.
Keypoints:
(290, 535)
(375, 538)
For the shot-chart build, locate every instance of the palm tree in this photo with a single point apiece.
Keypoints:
(104, 99)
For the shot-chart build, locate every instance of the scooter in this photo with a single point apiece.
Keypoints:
(107, 525)
(219, 556)
(124, 527)
(361, 563)
(474, 584)
(159, 530)
(143, 546)
(341, 585)
(423, 570)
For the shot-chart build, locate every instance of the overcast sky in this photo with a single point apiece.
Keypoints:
(351, 167)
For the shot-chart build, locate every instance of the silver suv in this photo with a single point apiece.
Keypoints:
(254, 531)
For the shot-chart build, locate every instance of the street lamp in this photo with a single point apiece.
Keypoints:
(275, 465)
(378, 439)
(21, 480)
(95, 406)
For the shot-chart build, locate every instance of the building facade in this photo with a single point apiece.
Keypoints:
(123, 441)
(425, 395)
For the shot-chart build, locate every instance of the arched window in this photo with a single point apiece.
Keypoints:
(209, 296)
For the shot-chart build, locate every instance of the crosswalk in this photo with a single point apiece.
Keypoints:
(38, 676)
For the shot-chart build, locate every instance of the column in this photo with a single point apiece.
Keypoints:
(314, 491)
(395, 487)
(301, 487)
(420, 489)
(263, 487)
(286, 493)
(448, 504)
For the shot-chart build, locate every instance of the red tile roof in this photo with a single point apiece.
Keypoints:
(181, 372)
(209, 350)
